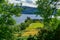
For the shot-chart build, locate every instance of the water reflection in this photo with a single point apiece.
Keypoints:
(24, 16)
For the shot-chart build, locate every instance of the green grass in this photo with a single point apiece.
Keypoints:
(32, 29)
(35, 25)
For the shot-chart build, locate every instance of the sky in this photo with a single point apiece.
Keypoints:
(30, 3)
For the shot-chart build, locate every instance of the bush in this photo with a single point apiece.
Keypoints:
(6, 33)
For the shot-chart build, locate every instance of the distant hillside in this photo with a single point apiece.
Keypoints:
(28, 10)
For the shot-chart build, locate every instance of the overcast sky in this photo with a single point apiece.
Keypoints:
(30, 3)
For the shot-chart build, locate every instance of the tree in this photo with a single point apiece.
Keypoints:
(25, 24)
(46, 11)
(6, 20)
(58, 12)
(30, 38)
(57, 32)
(1, 1)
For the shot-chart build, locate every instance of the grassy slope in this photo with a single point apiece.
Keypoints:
(32, 29)
(35, 25)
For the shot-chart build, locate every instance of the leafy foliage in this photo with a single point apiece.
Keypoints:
(25, 24)
(50, 24)
(6, 20)
(5, 33)
(30, 38)
(58, 12)
(57, 33)
(1, 1)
